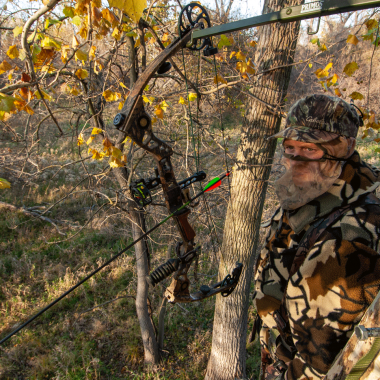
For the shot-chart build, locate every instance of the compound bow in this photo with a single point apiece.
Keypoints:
(134, 122)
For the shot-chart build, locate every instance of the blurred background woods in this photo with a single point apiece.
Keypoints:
(63, 77)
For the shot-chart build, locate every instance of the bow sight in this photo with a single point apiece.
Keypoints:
(140, 189)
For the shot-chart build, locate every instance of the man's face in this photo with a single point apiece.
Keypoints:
(302, 170)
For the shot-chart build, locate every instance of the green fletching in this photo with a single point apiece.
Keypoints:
(212, 184)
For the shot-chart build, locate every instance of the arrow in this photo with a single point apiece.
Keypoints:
(213, 184)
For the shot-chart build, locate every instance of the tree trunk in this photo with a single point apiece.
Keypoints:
(151, 352)
(276, 47)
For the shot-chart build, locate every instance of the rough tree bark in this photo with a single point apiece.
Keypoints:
(151, 351)
(276, 47)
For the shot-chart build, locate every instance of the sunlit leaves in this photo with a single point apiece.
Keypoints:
(182, 101)
(80, 139)
(7, 103)
(352, 39)
(252, 43)
(17, 31)
(44, 94)
(81, 73)
(91, 53)
(323, 73)
(356, 96)
(49, 42)
(90, 139)
(219, 79)
(68, 12)
(321, 47)
(160, 109)
(148, 100)
(337, 92)
(350, 68)
(75, 42)
(76, 20)
(111, 96)
(225, 41)
(110, 17)
(116, 34)
(13, 52)
(371, 24)
(96, 131)
(81, 55)
(64, 53)
(133, 8)
(4, 184)
(192, 96)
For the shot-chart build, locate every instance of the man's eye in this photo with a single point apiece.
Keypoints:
(310, 149)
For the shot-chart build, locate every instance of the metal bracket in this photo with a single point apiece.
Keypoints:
(310, 31)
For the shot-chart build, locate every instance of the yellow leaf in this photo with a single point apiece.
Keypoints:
(350, 68)
(124, 158)
(64, 53)
(49, 42)
(122, 85)
(356, 96)
(250, 67)
(337, 92)
(75, 43)
(116, 152)
(164, 105)
(126, 140)
(115, 162)
(96, 131)
(12, 52)
(110, 16)
(310, 65)
(137, 43)
(110, 96)
(90, 140)
(96, 155)
(154, 120)
(4, 184)
(192, 96)
(322, 47)
(4, 67)
(182, 100)
(241, 56)
(116, 34)
(242, 67)
(159, 113)
(81, 73)
(74, 91)
(17, 31)
(147, 100)
(97, 67)
(7, 103)
(252, 43)
(81, 55)
(44, 94)
(80, 139)
(91, 53)
(219, 79)
(371, 24)
(120, 106)
(351, 39)
(232, 54)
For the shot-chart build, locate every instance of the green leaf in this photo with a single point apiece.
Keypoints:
(224, 41)
(7, 103)
(68, 12)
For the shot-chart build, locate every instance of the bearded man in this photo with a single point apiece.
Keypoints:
(320, 268)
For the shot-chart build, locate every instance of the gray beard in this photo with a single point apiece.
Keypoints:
(292, 196)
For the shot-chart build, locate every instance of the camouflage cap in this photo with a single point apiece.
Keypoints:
(320, 118)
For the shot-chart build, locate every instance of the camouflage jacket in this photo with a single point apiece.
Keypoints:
(335, 284)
